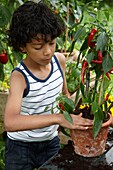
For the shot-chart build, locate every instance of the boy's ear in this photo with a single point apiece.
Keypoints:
(23, 50)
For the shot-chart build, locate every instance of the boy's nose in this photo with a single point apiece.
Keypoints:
(47, 50)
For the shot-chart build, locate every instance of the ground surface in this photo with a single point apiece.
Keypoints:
(67, 159)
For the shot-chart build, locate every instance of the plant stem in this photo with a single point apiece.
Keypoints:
(67, 19)
(101, 89)
(87, 82)
(95, 87)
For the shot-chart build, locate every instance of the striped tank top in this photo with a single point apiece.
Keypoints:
(38, 98)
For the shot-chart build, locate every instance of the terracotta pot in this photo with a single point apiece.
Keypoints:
(84, 143)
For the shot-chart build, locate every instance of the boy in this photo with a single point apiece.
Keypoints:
(32, 136)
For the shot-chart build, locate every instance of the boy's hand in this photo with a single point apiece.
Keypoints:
(78, 122)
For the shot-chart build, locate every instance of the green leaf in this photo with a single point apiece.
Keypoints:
(111, 54)
(107, 63)
(52, 110)
(94, 106)
(63, 130)
(79, 33)
(60, 42)
(77, 95)
(102, 41)
(17, 56)
(84, 45)
(1, 72)
(92, 14)
(71, 20)
(107, 14)
(64, 8)
(5, 15)
(105, 105)
(98, 120)
(90, 57)
(68, 117)
(68, 103)
(79, 10)
(106, 84)
(71, 48)
(82, 89)
(72, 85)
(75, 72)
(46, 108)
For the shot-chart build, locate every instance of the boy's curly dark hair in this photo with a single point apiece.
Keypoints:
(31, 19)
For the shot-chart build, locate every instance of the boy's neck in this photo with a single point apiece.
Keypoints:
(40, 71)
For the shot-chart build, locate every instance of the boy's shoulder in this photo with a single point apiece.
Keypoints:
(61, 58)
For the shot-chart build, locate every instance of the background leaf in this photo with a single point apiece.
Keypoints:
(107, 63)
(102, 41)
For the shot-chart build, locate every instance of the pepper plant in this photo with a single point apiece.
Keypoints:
(71, 13)
(96, 54)
(8, 58)
(72, 76)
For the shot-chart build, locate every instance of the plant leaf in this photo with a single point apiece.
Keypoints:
(5, 15)
(107, 63)
(72, 85)
(90, 57)
(106, 84)
(82, 89)
(63, 130)
(102, 41)
(77, 96)
(68, 117)
(84, 45)
(1, 72)
(79, 33)
(60, 42)
(94, 106)
(46, 108)
(68, 103)
(98, 120)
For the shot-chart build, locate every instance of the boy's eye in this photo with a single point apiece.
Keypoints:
(52, 43)
(38, 48)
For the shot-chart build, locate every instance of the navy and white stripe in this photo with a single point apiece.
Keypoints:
(39, 95)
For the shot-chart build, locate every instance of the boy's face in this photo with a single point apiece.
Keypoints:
(39, 51)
